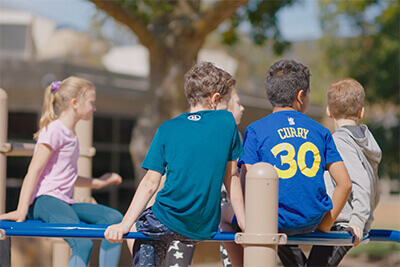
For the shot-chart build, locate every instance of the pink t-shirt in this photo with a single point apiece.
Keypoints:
(59, 175)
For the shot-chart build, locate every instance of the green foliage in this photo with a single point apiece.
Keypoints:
(375, 249)
(260, 15)
(258, 18)
(150, 11)
(372, 56)
(389, 140)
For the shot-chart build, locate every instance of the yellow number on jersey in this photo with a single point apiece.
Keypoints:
(301, 159)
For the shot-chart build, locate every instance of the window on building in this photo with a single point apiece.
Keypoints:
(21, 127)
(111, 139)
(13, 40)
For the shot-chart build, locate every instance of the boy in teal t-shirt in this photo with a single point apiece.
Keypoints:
(198, 152)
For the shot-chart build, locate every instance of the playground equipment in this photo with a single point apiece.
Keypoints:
(36, 228)
(84, 130)
(260, 238)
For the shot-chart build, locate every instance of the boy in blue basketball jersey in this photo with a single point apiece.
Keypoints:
(300, 149)
(198, 152)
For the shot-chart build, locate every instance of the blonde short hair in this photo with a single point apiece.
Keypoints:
(345, 98)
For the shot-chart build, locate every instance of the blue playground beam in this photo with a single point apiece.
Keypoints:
(36, 228)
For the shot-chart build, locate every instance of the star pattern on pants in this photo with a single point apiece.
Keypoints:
(174, 246)
(227, 262)
(178, 255)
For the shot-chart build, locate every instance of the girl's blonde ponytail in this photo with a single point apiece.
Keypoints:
(48, 112)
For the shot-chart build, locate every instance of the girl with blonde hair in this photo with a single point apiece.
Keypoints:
(46, 192)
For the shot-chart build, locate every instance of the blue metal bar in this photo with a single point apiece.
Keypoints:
(384, 235)
(36, 228)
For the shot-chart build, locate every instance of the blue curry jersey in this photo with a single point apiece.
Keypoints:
(299, 149)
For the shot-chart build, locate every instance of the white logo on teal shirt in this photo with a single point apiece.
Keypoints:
(194, 117)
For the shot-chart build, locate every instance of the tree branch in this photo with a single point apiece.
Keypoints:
(128, 18)
(220, 11)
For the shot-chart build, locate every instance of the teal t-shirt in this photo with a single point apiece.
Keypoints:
(193, 150)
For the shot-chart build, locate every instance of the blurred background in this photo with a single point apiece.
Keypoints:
(136, 53)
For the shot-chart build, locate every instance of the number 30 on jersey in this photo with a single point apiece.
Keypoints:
(300, 161)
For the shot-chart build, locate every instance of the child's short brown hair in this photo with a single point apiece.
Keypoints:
(204, 79)
(345, 98)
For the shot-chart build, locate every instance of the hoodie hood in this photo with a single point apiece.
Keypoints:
(365, 140)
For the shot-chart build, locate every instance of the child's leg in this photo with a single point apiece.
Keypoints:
(5, 252)
(149, 253)
(100, 214)
(53, 210)
(235, 251)
(291, 255)
(179, 254)
(235, 254)
(326, 255)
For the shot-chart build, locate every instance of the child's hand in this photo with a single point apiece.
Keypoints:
(14, 216)
(357, 232)
(110, 179)
(115, 232)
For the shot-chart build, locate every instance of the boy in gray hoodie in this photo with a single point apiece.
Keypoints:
(361, 155)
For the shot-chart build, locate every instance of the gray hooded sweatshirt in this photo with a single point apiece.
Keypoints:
(361, 155)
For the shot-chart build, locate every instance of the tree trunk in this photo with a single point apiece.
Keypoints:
(165, 97)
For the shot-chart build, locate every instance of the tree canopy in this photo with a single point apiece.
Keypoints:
(371, 54)
(174, 32)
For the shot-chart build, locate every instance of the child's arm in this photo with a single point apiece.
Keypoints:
(234, 189)
(160, 186)
(97, 183)
(144, 192)
(342, 191)
(243, 171)
(362, 189)
(39, 160)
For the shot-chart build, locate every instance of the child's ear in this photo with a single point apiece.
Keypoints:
(74, 103)
(328, 112)
(361, 113)
(300, 96)
(215, 98)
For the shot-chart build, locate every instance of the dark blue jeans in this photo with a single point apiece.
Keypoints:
(53, 210)
(153, 252)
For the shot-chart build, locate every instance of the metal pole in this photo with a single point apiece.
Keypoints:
(5, 245)
(3, 141)
(261, 216)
